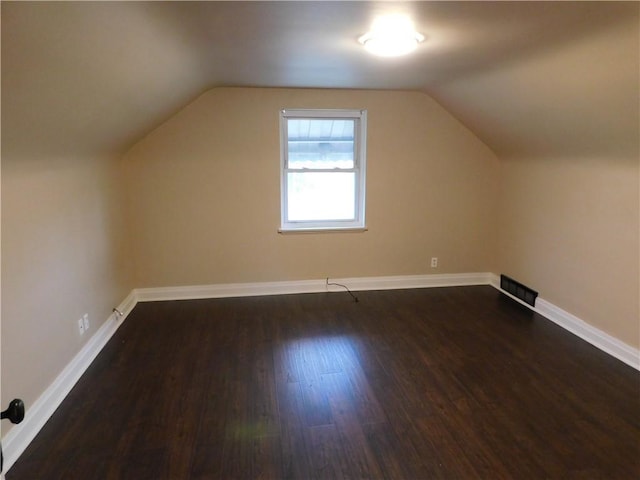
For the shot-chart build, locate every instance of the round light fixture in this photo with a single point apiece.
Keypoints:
(391, 36)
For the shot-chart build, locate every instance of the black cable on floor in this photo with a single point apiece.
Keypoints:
(345, 287)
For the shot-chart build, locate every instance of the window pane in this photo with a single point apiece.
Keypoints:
(320, 143)
(321, 196)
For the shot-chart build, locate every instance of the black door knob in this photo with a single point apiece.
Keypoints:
(15, 412)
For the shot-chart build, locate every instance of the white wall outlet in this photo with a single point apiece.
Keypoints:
(434, 262)
(85, 321)
(81, 326)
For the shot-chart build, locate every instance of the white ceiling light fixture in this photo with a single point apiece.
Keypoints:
(391, 36)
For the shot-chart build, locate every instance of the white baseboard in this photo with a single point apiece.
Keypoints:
(227, 290)
(596, 337)
(309, 286)
(21, 435)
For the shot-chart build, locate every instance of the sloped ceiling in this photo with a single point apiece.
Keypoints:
(529, 78)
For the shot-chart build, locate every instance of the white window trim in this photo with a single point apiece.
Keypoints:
(356, 225)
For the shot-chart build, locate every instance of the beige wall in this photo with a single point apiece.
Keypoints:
(569, 228)
(204, 193)
(204, 206)
(62, 256)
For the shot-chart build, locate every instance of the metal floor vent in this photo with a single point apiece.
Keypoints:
(518, 290)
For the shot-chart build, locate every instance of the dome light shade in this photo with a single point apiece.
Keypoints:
(391, 36)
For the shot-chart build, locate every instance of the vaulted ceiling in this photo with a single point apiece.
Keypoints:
(528, 78)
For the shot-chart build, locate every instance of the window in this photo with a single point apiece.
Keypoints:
(323, 169)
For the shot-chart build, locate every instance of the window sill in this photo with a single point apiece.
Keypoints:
(322, 230)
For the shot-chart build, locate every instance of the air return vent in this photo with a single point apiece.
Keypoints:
(518, 290)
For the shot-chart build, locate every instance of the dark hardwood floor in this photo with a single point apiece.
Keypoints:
(450, 383)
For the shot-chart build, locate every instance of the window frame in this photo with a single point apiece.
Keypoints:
(359, 168)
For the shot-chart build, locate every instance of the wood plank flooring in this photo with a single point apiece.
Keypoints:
(443, 383)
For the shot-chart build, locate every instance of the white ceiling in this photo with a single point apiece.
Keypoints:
(529, 78)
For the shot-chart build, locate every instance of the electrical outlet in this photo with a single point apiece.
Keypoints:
(85, 321)
(81, 326)
(434, 262)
